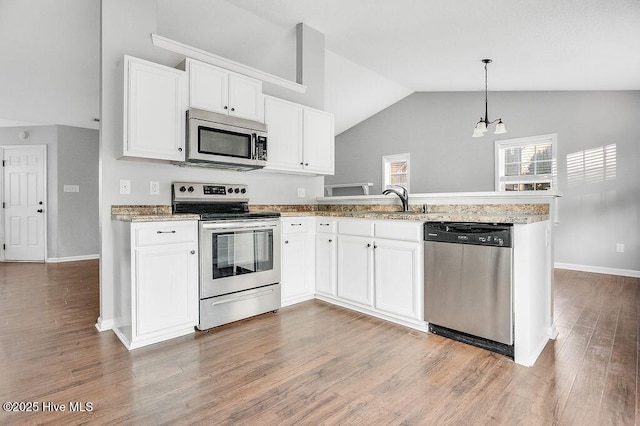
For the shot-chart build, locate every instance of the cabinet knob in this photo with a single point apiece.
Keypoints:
(301, 164)
(233, 109)
(193, 252)
(330, 240)
(368, 245)
(306, 164)
(286, 241)
(375, 247)
(179, 149)
(225, 107)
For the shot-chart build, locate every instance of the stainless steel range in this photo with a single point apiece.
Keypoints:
(239, 252)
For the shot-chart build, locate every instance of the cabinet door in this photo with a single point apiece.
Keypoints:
(297, 267)
(245, 97)
(398, 277)
(284, 123)
(166, 287)
(154, 113)
(355, 269)
(208, 88)
(318, 137)
(326, 262)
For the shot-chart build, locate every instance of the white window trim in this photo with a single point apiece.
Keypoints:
(508, 143)
(386, 158)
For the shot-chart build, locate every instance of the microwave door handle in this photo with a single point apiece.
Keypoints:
(254, 138)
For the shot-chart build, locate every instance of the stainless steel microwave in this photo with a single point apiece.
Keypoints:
(221, 141)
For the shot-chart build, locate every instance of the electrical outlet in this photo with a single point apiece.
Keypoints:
(620, 247)
(301, 193)
(125, 186)
(154, 187)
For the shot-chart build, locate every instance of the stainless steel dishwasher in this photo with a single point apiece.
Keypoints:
(468, 285)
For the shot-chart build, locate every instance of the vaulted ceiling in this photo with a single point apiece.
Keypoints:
(437, 45)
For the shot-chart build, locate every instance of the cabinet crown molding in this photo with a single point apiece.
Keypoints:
(210, 58)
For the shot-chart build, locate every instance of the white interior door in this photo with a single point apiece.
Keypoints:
(24, 202)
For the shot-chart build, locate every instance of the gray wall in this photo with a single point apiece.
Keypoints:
(72, 218)
(77, 211)
(436, 129)
(126, 28)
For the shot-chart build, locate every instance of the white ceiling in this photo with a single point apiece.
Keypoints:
(437, 45)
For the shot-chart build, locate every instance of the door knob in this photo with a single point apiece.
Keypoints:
(40, 210)
(193, 252)
(40, 202)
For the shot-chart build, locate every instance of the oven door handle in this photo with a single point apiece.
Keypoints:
(243, 297)
(226, 227)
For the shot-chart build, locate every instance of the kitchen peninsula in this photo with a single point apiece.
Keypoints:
(311, 265)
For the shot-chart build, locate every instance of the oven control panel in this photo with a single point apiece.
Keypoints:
(189, 191)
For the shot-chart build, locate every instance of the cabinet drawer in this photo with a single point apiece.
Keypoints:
(399, 230)
(326, 226)
(358, 227)
(156, 233)
(297, 225)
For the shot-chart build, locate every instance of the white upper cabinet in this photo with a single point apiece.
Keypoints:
(318, 141)
(284, 126)
(301, 139)
(154, 110)
(225, 92)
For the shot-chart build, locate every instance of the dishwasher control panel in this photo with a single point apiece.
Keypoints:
(483, 234)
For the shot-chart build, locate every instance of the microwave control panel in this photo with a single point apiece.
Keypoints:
(261, 148)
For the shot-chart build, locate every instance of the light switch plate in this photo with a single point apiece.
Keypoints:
(71, 188)
(620, 247)
(125, 186)
(301, 193)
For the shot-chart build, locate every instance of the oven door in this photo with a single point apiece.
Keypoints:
(238, 255)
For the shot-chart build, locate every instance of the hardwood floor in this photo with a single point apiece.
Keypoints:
(311, 363)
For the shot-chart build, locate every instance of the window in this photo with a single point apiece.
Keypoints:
(395, 170)
(527, 164)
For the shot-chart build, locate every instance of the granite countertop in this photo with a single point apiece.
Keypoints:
(483, 213)
(159, 213)
(511, 217)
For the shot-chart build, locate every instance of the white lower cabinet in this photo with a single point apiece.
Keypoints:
(156, 288)
(398, 277)
(298, 259)
(355, 269)
(381, 276)
(326, 257)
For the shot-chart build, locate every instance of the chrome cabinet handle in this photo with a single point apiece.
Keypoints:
(166, 232)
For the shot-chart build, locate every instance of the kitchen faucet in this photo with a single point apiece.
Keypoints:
(402, 194)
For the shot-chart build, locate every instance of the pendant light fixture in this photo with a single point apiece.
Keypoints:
(481, 126)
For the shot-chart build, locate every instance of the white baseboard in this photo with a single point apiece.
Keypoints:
(104, 325)
(598, 269)
(73, 258)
